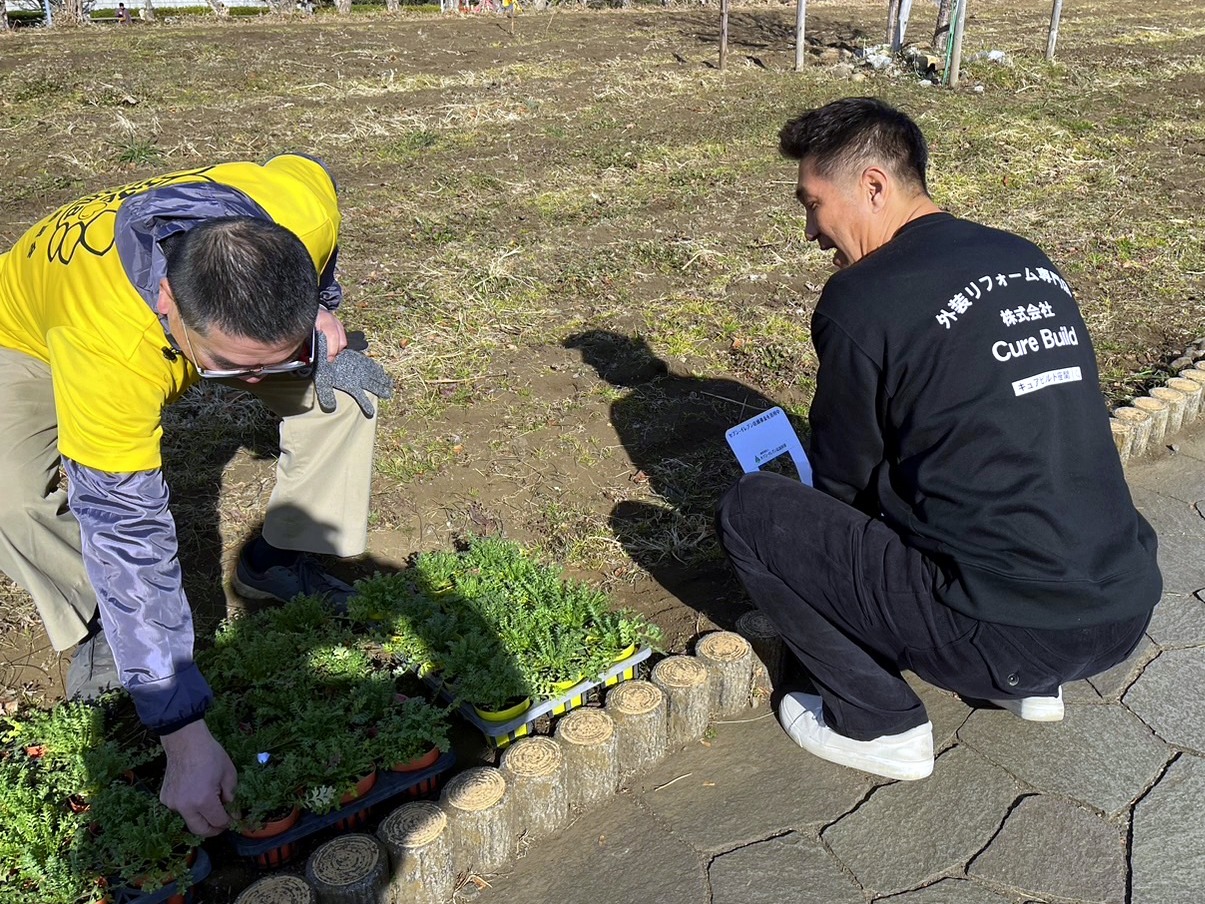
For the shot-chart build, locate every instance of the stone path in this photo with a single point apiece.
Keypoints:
(1104, 807)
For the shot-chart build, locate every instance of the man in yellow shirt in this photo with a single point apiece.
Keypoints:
(110, 308)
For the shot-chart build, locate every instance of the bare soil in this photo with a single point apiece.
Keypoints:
(577, 252)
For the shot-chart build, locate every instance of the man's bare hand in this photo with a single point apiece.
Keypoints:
(199, 780)
(336, 334)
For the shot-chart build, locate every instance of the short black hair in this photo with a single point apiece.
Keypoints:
(857, 130)
(247, 276)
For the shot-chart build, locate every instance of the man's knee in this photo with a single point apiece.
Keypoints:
(23, 495)
(749, 502)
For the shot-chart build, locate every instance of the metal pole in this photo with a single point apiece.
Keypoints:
(956, 54)
(801, 14)
(1053, 37)
(723, 33)
(905, 14)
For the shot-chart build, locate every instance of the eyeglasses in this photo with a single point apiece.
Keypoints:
(306, 360)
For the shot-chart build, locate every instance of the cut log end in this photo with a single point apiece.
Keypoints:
(755, 626)
(635, 698)
(475, 790)
(413, 825)
(350, 869)
(723, 646)
(533, 758)
(679, 672)
(279, 889)
(586, 727)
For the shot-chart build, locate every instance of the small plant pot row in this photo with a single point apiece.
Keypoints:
(1151, 421)
(542, 783)
(492, 629)
(170, 893)
(500, 728)
(280, 842)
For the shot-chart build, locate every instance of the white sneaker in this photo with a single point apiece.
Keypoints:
(906, 756)
(1034, 709)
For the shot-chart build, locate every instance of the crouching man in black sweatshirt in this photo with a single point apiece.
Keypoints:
(970, 520)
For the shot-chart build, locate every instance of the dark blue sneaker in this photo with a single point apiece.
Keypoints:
(92, 671)
(283, 582)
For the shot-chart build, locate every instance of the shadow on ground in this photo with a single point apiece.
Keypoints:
(672, 426)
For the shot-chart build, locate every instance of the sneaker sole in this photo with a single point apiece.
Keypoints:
(1033, 710)
(904, 772)
(252, 593)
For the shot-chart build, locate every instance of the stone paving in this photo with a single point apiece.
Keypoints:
(1102, 808)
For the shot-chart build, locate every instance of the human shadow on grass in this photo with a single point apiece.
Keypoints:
(202, 434)
(672, 426)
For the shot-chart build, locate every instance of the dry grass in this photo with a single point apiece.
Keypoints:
(595, 173)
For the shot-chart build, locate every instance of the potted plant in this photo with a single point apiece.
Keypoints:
(136, 842)
(266, 795)
(559, 658)
(266, 805)
(411, 737)
(484, 676)
(620, 634)
(336, 769)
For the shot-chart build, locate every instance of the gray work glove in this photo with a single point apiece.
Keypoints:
(352, 372)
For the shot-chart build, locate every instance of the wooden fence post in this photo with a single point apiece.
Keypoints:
(941, 31)
(801, 14)
(723, 33)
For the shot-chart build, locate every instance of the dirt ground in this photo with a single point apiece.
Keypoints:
(576, 251)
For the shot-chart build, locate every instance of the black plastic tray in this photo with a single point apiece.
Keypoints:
(200, 871)
(388, 786)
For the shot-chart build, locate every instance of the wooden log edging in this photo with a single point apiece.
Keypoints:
(484, 811)
(728, 659)
(281, 888)
(685, 682)
(769, 655)
(536, 770)
(420, 851)
(481, 823)
(1152, 421)
(350, 869)
(587, 736)
(640, 713)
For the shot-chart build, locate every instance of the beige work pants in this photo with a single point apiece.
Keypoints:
(319, 504)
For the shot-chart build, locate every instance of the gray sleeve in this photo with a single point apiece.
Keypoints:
(129, 546)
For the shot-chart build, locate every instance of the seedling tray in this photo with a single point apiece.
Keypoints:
(499, 734)
(200, 870)
(388, 786)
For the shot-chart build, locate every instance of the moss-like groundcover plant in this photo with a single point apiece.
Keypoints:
(71, 810)
(498, 624)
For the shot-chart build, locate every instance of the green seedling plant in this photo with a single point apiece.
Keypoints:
(410, 731)
(136, 841)
(36, 835)
(267, 791)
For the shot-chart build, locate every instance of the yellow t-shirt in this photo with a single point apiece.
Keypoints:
(66, 300)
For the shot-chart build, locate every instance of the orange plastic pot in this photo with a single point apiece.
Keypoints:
(422, 762)
(360, 817)
(277, 856)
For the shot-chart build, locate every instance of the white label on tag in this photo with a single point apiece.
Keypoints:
(765, 437)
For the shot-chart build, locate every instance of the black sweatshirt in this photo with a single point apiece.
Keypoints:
(958, 399)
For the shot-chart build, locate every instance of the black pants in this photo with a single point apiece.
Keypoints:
(856, 606)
